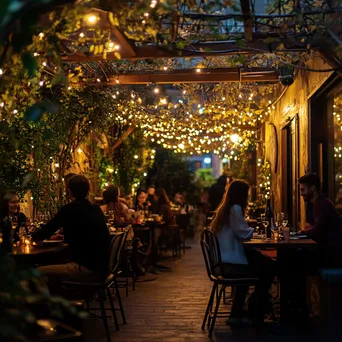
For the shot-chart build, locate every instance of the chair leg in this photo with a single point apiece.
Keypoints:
(133, 279)
(212, 326)
(117, 292)
(111, 303)
(103, 314)
(126, 286)
(209, 306)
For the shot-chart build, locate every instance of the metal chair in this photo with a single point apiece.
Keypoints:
(213, 262)
(101, 288)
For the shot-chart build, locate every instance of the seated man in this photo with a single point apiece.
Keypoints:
(327, 228)
(326, 231)
(87, 235)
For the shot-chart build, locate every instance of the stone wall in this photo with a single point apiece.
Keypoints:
(295, 101)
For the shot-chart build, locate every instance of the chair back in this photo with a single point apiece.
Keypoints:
(117, 248)
(114, 251)
(211, 253)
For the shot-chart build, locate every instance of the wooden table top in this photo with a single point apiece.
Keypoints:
(263, 243)
(38, 249)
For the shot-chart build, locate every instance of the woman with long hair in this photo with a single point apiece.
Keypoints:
(231, 229)
(140, 200)
(164, 206)
(11, 205)
(111, 202)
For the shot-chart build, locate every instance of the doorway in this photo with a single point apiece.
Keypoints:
(290, 171)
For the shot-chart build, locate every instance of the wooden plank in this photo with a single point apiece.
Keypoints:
(124, 43)
(192, 76)
(197, 50)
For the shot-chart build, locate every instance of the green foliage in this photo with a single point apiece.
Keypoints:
(204, 178)
(25, 299)
(264, 179)
(172, 172)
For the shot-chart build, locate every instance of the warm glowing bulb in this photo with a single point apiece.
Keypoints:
(79, 150)
(81, 34)
(198, 70)
(91, 18)
(234, 138)
(156, 90)
(111, 44)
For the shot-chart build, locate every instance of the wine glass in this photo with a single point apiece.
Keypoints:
(280, 219)
(265, 223)
(22, 233)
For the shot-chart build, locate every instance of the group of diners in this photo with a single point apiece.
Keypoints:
(83, 225)
(231, 229)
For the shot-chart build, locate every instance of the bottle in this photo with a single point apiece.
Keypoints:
(269, 216)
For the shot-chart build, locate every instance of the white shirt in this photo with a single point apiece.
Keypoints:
(230, 237)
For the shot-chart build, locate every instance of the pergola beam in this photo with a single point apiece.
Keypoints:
(196, 50)
(192, 76)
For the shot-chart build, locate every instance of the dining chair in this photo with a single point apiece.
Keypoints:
(214, 266)
(102, 289)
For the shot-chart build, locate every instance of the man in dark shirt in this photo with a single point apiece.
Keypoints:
(87, 236)
(327, 228)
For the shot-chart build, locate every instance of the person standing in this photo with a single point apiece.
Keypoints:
(217, 191)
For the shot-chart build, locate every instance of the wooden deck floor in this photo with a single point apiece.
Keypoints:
(171, 309)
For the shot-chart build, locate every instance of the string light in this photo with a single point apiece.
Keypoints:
(91, 18)
(156, 90)
(81, 34)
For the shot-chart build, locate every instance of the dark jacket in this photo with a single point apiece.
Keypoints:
(85, 231)
(327, 229)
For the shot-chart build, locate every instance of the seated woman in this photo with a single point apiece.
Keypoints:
(12, 203)
(231, 229)
(111, 197)
(163, 207)
(140, 201)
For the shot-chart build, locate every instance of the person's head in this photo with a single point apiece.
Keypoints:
(141, 197)
(111, 195)
(161, 197)
(151, 190)
(78, 187)
(129, 200)
(11, 203)
(222, 180)
(178, 198)
(236, 194)
(309, 186)
(67, 178)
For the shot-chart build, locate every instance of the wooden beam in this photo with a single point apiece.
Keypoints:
(126, 45)
(247, 19)
(196, 51)
(192, 76)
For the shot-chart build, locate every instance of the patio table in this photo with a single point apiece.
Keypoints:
(282, 248)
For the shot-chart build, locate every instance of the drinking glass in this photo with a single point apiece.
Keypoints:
(285, 221)
(280, 218)
(265, 223)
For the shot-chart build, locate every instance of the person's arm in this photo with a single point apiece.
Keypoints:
(51, 227)
(239, 224)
